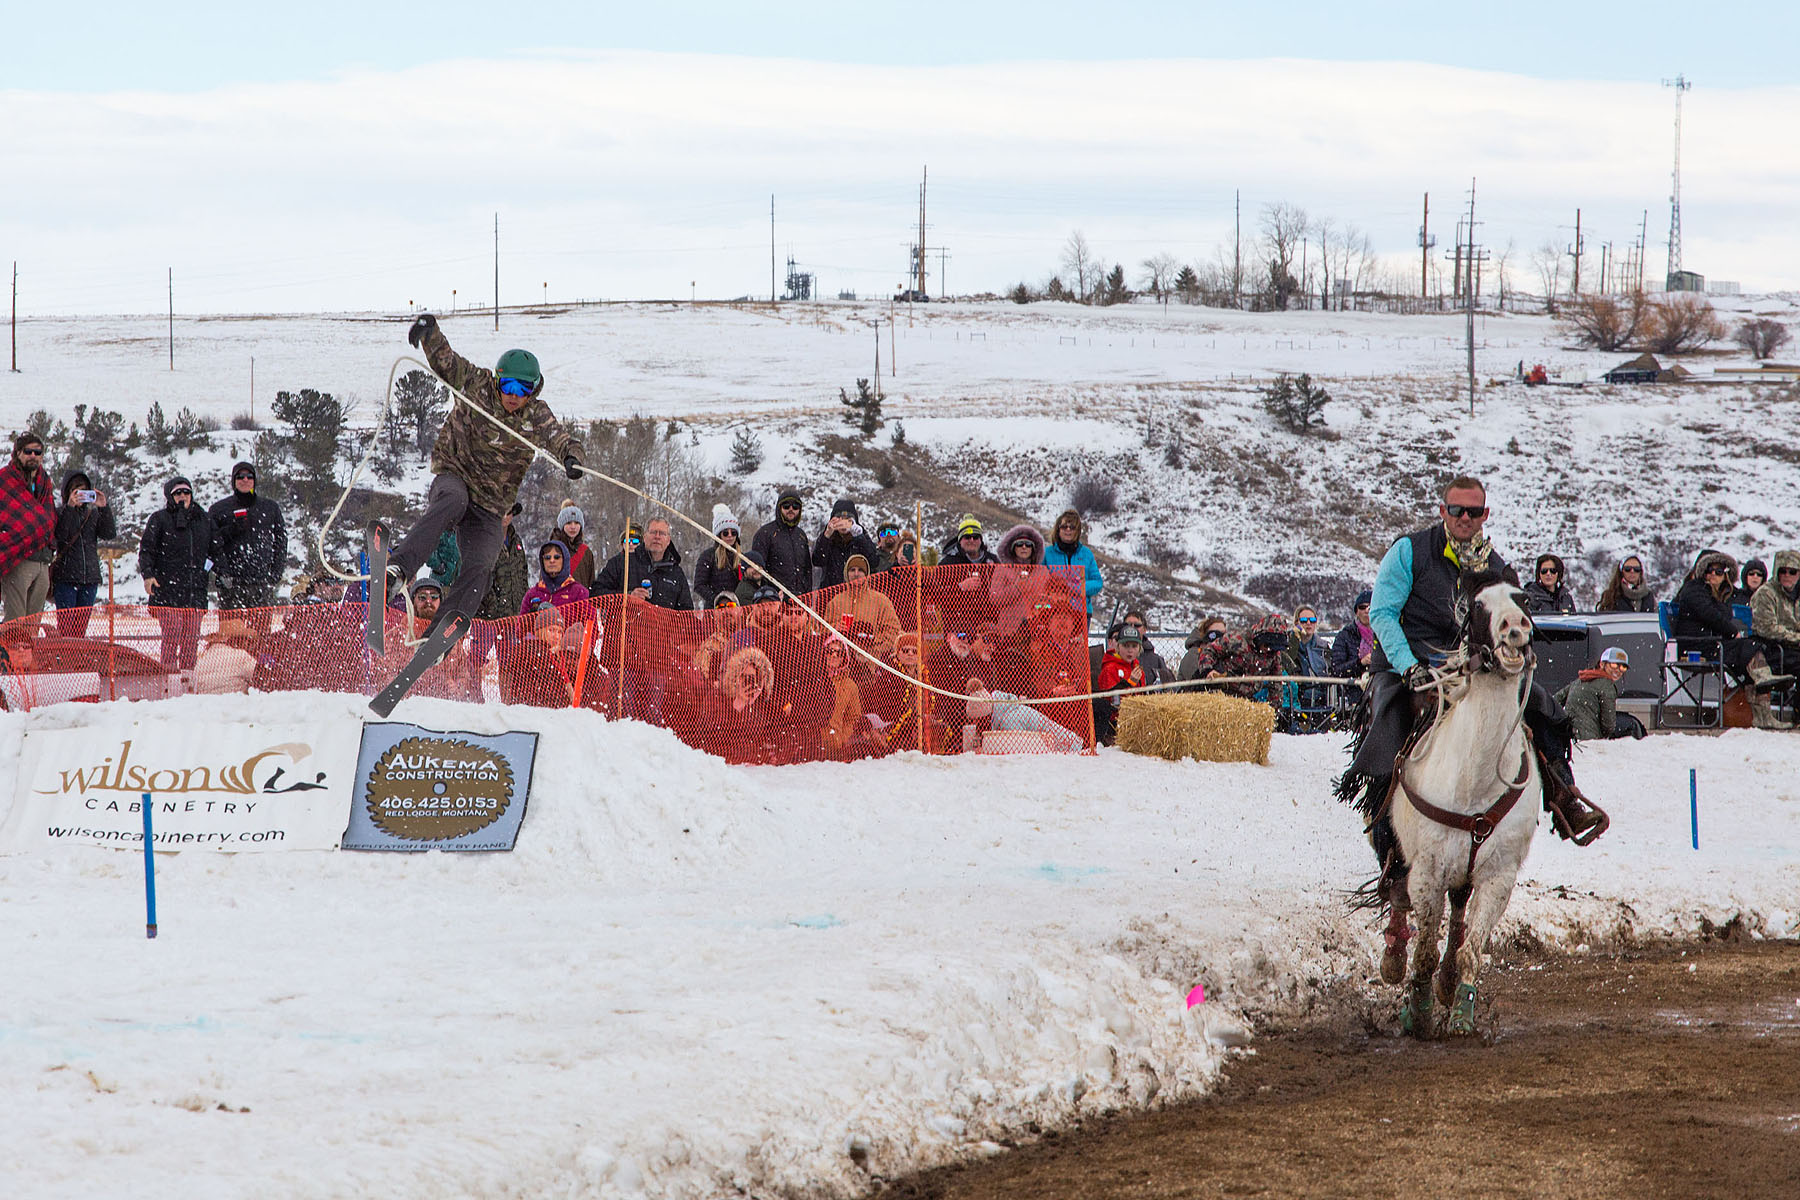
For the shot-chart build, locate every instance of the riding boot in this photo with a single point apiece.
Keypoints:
(1573, 816)
(1762, 713)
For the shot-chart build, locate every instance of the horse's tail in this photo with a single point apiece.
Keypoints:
(1366, 897)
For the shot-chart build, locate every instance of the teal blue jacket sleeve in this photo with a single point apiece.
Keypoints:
(1393, 584)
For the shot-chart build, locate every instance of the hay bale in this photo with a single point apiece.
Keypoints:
(1205, 726)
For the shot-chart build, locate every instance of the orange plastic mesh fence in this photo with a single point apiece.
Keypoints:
(764, 683)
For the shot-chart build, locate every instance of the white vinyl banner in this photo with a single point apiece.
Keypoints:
(212, 786)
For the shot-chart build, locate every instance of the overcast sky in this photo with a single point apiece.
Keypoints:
(340, 156)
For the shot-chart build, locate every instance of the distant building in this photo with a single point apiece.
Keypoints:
(1685, 281)
(1723, 287)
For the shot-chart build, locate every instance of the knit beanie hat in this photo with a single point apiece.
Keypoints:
(723, 520)
(844, 508)
(569, 512)
(858, 561)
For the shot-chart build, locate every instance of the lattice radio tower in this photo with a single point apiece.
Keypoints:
(1680, 84)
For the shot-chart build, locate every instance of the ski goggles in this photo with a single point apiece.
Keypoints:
(514, 387)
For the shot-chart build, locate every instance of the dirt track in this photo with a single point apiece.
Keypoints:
(1655, 1074)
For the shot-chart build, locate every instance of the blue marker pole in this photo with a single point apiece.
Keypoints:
(149, 876)
(1694, 806)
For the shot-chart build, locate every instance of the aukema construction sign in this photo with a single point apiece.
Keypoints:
(212, 786)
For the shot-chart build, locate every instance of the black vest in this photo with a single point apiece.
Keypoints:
(1432, 616)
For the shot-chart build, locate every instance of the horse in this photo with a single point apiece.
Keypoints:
(1456, 803)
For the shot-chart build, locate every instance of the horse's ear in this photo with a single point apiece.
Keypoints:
(1474, 581)
(1510, 575)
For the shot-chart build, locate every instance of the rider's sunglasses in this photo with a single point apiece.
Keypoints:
(514, 387)
(1466, 510)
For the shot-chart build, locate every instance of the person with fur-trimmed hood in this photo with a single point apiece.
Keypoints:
(1703, 614)
(735, 714)
(1068, 548)
(1019, 582)
(841, 538)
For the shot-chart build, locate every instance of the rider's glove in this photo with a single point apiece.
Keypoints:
(571, 466)
(421, 328)
(1418, 677)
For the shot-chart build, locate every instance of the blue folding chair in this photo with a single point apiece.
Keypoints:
(1693, 680)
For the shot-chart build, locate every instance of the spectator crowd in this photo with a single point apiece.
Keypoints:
(995, 621)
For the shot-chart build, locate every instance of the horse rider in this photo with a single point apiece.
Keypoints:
(1417, 614)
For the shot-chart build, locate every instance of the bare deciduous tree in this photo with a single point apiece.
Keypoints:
(1604, 322)
(1159, 275)
(1284, 228)
(1680, 322)
(1547, 260)
(1080, 261)
(1502, 277)
(1761, 336)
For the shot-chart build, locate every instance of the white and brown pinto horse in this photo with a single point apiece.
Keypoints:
(1465, 803)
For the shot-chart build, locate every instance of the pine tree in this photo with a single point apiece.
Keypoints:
(420, 402)
(1116, 291)
(746, 452)
(864, 411)
(1188, 284)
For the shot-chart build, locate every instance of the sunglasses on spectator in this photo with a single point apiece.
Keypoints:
(793, 504)
(1307, 621)
(1466, 510)
(514, 387)
(634, 541)
(181, 492)
(1631, 570)
(728, 533)
(1548, 571)
(32, 452)
(1709, 570)
(1787, 571)
(243, 475)
(969, 537)
(888, 531)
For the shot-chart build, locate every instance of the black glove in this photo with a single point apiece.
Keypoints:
(1417, 677)
(421, 328)
(571, 466)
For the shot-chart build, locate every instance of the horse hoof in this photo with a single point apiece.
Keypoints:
(1462, 1015)
(1393, 964)
(1447, 978)
(1415, 1013)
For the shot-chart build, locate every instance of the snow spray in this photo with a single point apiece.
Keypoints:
(1198, 995)
(149, 876)
(1694, 806)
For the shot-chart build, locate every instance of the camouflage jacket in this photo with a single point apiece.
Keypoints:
(506, 590)
(1236, 654)
(490, 464)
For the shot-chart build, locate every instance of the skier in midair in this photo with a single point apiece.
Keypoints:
(476, 467)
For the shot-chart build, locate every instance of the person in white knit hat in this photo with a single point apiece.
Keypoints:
(572, 521)
(716, 568)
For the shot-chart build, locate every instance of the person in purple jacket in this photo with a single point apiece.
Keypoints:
(554, 586)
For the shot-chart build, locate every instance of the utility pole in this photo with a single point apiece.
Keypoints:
(253, 389)
(496, 272)
(876, 326)
(1680, 84)
(171, 318)
(1605, 267)
(1426, 242)
(1575, 253)
(15, 317)
(1643, 248)
(771, 247)
(943, 273)
(1475, 255)
(1237, 247)
(919, 261)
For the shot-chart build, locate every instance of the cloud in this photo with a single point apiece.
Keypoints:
(623, 174)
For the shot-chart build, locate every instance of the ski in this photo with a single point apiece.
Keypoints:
(377, 540)
(438, 641)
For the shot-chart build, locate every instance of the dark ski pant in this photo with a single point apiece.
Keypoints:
(479, 535)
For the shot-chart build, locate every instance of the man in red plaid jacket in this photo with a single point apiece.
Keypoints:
(27, 529)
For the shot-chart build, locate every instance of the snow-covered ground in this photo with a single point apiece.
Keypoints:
(697, 980)
(1013, 404)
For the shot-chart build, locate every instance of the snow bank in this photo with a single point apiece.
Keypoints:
(692, 979)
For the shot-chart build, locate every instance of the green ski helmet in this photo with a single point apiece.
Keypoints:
(521, 365)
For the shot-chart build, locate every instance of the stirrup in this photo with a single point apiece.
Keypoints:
(1565, 827)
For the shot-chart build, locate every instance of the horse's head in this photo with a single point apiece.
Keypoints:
(1498, 633)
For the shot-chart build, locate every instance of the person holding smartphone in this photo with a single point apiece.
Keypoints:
(82, 522)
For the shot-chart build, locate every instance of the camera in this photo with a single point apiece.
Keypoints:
(86, 495)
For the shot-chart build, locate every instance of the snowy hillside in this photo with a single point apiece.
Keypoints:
(693, 980)
(1005, 406)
